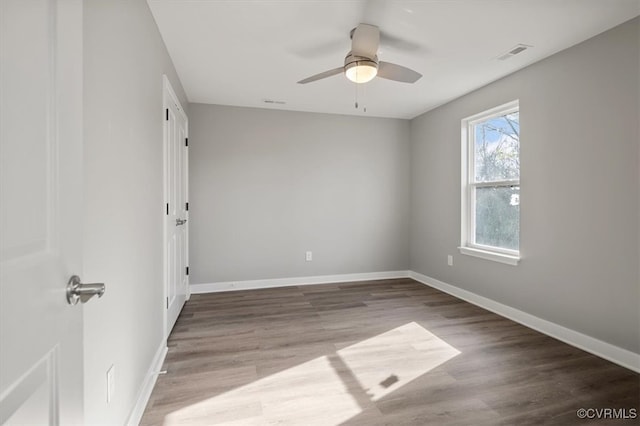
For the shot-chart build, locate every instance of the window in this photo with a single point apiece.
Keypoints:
(491, 184)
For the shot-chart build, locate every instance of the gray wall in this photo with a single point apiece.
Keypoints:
(124, 59)
(579, 190)
(266, 185)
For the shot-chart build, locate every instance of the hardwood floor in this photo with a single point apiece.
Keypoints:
(391, 352)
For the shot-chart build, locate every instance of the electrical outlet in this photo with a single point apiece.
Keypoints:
(308, 256)
(111, 382)
(450, 260)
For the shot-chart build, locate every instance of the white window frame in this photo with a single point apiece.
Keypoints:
(468, 245)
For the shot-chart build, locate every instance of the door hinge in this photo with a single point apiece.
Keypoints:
(167, 208)
(167, 114)
(186, 141)
(187, 270)
(186, 206)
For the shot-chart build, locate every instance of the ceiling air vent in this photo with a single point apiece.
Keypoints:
(518, 48)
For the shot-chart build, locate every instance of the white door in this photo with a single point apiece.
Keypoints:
(41, 379)
(176, 206)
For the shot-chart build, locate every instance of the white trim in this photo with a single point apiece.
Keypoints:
(507, 108)
(615, 354)
(288, 282)
(496, 183)
(147, 387)
(490, 255)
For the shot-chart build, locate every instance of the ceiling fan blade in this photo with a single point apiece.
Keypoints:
(365, 40)
(397, 72)
(322, 75)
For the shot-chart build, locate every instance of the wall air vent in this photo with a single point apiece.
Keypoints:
(518, 48)
(271, 101)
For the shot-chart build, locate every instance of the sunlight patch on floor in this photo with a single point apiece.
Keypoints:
(390, 360)
(299, 395)
(327, 390)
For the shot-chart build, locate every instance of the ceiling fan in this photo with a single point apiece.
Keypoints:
(361, 64)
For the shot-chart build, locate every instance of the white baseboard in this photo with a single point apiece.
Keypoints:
(287, 282)
(615, 354)
(147, 387)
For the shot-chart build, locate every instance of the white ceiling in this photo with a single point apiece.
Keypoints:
(243, 52)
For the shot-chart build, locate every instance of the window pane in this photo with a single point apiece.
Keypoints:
(498, 217)
(497, 148)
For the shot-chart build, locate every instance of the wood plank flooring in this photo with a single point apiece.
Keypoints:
(390, 352)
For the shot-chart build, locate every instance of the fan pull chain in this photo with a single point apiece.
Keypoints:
(356, 84)
(364, 96)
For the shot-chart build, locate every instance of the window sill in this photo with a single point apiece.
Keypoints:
(490, 255)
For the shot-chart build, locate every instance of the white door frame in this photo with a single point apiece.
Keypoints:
(169, 96)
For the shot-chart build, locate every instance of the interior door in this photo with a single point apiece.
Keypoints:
(41, 379)
(176, 208)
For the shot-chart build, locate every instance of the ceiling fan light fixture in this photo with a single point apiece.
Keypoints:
(361, 63)
(361, 71)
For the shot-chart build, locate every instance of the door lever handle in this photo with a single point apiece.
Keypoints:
(76, 291)
(180, 222)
